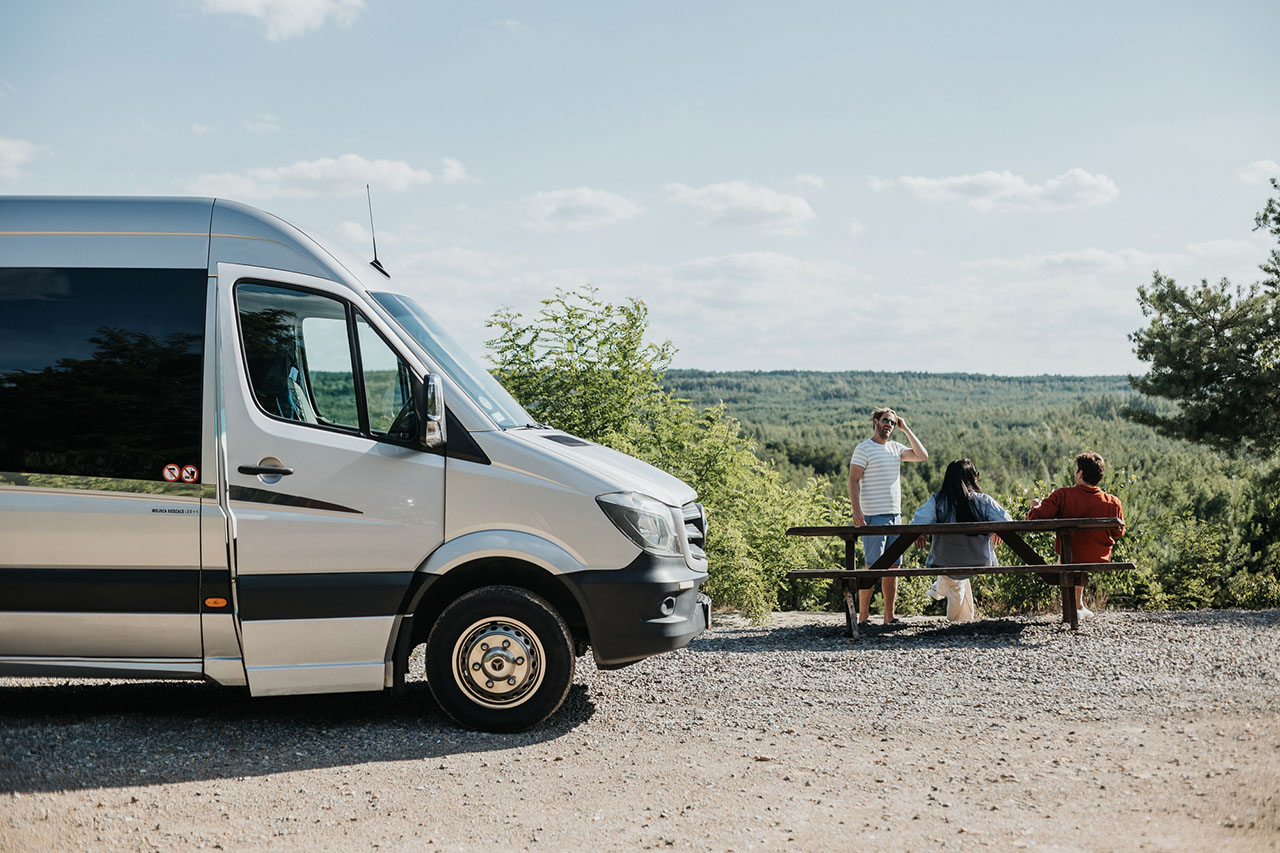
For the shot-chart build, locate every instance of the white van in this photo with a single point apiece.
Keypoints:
(227, 454)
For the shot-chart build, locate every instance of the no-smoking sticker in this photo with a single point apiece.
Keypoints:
(190, 474)
(171, 473)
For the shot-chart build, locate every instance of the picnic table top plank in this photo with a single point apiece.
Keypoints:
(1047, 568)
(1039, 525)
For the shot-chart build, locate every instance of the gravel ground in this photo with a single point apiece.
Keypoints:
(1152, 731)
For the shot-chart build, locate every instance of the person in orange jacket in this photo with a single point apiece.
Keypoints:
(1084, 500)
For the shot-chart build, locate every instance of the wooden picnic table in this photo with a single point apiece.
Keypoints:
(1065, 574)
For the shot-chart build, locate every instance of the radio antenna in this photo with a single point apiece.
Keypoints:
(375, 263)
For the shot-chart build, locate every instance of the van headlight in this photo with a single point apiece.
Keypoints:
(643, 520)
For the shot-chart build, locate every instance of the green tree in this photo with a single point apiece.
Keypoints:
(581, 364)
(1214, 351)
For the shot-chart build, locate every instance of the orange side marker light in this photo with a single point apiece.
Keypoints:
(215, 602)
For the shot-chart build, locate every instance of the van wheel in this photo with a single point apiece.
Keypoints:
(500, 659)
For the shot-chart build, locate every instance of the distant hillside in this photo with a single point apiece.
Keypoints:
(1017, 429)
(806, 397)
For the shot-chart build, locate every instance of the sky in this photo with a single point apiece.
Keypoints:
(977, 187)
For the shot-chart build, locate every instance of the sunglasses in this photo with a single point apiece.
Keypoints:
(889, 421)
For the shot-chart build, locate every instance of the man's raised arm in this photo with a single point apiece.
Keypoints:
(917, 453)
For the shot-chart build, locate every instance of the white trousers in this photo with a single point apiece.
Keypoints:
(959, 596)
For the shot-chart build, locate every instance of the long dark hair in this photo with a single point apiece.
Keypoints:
(959, 486)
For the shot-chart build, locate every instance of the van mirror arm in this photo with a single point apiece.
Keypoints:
(428, 401)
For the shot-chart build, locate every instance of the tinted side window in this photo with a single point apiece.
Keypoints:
(298, 347)
(100, 371)
(298, 350)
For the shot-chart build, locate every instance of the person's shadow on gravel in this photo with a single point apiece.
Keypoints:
(86, 735)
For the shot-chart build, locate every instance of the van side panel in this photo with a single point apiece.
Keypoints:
(100, 481)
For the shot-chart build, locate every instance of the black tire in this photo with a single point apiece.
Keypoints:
(500, 659)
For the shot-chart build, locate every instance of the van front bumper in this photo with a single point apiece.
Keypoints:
(649, 607)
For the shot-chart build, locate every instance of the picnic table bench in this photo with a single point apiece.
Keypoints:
(1065, 574)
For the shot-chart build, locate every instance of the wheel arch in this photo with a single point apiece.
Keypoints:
(435, 596)
(487, 558)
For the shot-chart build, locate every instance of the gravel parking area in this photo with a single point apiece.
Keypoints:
(1142, 731)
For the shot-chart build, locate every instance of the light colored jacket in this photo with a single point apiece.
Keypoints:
(960, 549)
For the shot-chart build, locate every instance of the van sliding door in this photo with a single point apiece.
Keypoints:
(100, 480)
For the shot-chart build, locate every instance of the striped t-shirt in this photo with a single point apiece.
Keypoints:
(880, 491)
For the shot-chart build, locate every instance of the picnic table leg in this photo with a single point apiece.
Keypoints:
(1069, 614)
(1068, 581)
(850, 610)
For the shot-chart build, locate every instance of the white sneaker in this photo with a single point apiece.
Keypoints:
(1083, 612)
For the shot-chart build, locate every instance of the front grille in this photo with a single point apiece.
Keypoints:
(695, 529)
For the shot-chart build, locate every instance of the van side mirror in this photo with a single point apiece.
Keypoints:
(428, 401)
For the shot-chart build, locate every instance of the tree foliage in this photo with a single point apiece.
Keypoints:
(581, 364)
(1214, 351)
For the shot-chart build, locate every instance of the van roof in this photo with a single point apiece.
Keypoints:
(151, 232)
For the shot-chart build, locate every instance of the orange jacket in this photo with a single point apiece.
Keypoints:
(1085, 501)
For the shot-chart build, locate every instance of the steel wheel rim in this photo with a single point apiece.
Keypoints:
(498, 662)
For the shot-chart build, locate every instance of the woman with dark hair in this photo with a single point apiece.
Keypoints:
(959, 500)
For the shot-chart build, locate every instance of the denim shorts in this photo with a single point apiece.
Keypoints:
(873, 546)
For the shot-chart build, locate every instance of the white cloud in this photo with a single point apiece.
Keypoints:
(856, 228)
(328, 176)
(1075, 262)
(578, 209)
(743, 203)
(455, 173)
(1092, 261)
(510, 25)
(1260, 172)
(14, 154)
(263, 123)
(288, 18)
(6, 88)
(807, 180)
(1227, 248)
(1007, 191)
(201, 129)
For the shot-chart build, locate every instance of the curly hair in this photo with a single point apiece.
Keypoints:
(1091, 465)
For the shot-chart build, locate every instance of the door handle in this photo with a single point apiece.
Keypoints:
(265, 470)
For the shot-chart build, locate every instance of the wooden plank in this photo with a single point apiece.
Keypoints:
(1075, 570)
(1039, 525)
(850, 612)
(1019, 546)
(893, 551)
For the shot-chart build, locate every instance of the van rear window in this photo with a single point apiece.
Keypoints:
(100, 371)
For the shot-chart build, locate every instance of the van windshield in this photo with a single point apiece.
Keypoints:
(454, 360)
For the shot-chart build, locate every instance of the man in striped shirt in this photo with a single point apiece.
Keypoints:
(875, 493)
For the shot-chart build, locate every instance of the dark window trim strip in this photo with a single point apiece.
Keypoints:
(247, 494)
(46, 590)
(321, 595)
